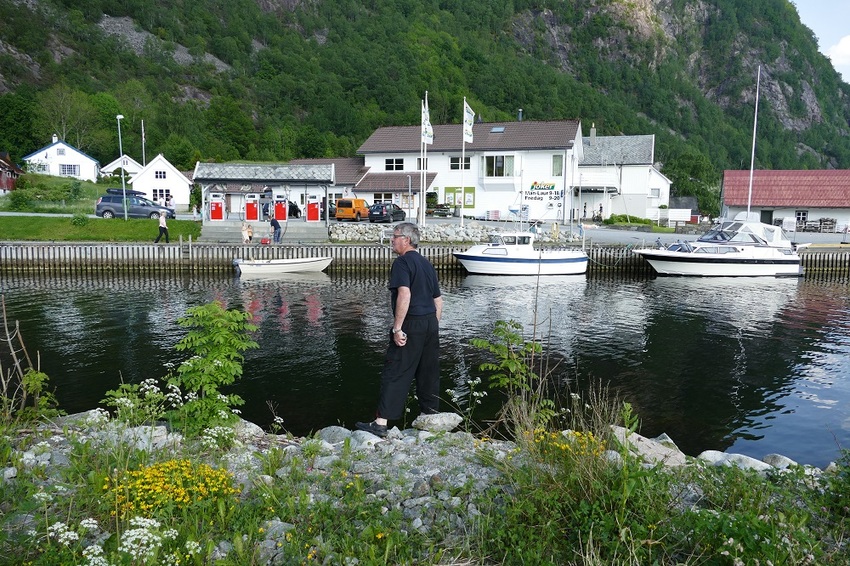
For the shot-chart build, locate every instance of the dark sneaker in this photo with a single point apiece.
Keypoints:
(374, 428)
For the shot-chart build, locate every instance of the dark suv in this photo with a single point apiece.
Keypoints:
(386, 212)
(110, 205)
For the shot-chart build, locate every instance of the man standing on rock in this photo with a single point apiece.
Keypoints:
(414, 348)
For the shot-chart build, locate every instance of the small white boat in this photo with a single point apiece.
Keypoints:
(743, 247)
(275, 266)
(513, 253)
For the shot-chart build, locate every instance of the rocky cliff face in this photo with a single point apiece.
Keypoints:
(644, 33)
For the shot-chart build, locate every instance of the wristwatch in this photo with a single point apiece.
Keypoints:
(396, 330)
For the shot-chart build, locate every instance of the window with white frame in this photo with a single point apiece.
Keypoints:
(382, 197)
(69, 170)
(454, 163)
(395, 164)
(498, 165)
(60, 151)
(802, 216)
(655, 193)
(419, 164)
(163, 194)
(159, 174)
(558, 165)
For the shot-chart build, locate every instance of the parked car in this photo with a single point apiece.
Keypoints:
(351, 209)
(386, 212)
(111, 205)
(442, 210)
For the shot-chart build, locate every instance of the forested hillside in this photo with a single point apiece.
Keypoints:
(279, 79)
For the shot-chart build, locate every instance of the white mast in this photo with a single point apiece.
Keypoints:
(753, 154)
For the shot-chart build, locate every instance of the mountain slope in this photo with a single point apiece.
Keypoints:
(278, 79)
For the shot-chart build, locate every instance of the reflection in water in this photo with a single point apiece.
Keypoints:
(748, 365)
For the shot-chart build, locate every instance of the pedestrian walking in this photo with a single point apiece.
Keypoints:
(414, 338)
(163, 229)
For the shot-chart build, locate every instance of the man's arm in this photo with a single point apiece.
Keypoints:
(402, 304)
(438, 302)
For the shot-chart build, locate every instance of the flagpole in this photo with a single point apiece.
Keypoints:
(468, 121)
(427, 138)
(462, 161)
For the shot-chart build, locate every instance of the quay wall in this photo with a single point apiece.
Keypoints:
(193, 257)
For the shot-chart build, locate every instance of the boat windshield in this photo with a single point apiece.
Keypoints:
(733, 232)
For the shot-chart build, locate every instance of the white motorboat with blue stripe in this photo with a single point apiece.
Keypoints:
(513, 253)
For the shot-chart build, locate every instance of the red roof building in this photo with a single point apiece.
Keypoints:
(808, 199)
(9, 173)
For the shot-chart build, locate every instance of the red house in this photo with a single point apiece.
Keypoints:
(9, 173)
(814, 201)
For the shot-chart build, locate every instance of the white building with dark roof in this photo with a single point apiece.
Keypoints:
(510, 169)
(63, 160)
(618, 176)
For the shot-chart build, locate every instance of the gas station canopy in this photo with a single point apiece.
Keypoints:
(267, 173)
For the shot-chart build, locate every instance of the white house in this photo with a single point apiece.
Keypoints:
(510, 169)
(130, 166)
(618, 176)
(62, 160)
(160, 179)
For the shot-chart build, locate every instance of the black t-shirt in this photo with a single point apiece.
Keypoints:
(415, 272)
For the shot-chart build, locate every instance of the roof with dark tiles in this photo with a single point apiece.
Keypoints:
(487, 136)
(618, 150)
(347, 170)
(396, 182)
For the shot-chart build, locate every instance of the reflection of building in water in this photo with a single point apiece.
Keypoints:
(314, 309)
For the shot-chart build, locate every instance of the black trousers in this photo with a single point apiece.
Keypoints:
(418, 360)
(162, 231)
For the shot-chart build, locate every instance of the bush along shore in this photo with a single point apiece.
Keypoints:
(166, 473)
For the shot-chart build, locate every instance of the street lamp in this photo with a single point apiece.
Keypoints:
(121, 157)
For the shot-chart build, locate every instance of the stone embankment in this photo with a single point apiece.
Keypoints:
(429, 473)
(433, 232)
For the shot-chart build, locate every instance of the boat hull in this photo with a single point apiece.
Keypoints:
(744, 264)
(277, 266)
(556, 263)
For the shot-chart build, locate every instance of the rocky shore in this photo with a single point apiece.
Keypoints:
(433, 232)
(432, 475)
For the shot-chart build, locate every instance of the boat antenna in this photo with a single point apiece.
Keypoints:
(753, 154)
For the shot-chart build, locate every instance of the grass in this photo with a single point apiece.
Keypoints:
(84, 229)
(59, 195)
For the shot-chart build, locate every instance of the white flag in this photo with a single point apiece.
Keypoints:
(468, 119)
(427, 130)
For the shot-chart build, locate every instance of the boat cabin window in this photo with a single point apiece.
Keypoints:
(509, 240)
(716, 250)
(524, 240)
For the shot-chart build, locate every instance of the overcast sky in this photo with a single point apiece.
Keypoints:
(830, 20)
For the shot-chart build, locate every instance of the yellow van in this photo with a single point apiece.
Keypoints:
(352, 209)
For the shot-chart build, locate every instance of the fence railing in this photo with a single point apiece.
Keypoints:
(604, 261)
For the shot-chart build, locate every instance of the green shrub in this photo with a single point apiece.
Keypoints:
(626, 219)
(80, 220)
(217, 338)
(19, 200)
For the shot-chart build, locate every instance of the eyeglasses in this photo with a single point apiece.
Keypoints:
(399, 236)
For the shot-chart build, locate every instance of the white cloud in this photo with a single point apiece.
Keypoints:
(840, 52)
